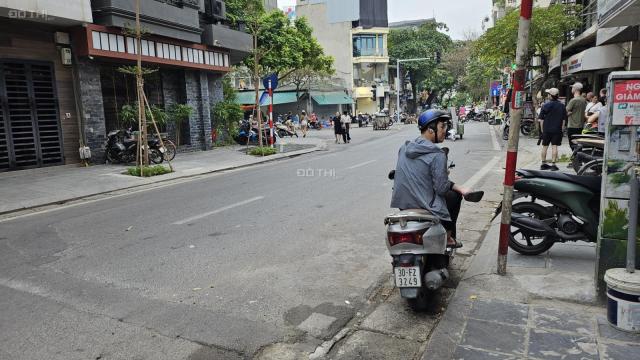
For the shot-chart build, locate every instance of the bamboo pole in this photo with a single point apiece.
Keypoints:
(153, 121)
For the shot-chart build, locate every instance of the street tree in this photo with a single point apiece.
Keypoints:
(497, 47)
(422, 42)
(305, 78)
(279, 46)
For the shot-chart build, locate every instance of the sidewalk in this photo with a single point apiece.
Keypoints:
(544, 308)
(25, 189)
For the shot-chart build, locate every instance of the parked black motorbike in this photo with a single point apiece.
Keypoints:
(249, 134)
(121, 147)
(569, 211)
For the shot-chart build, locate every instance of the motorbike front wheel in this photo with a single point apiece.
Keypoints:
(592, 168)
(525, 129)
(155, 156)
(505, 133)
(527, 244)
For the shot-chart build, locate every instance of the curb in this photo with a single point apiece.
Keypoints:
(6, 215)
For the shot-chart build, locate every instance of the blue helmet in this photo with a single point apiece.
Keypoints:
(431, 116)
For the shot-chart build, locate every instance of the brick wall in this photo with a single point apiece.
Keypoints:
(197, 94)
(92, 106)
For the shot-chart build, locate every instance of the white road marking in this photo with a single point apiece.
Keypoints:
(361, 164)
(494, 137)
(469, 184)
(228, 207)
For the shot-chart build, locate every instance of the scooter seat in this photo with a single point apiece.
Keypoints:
(592, 183)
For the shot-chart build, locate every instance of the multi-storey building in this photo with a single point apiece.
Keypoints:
(355, 33)
(61, 82)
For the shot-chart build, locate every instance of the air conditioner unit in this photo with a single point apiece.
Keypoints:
(216, 9)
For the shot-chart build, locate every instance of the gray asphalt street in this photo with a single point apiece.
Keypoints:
(215, 267)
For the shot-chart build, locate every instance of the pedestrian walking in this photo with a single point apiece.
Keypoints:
(575, 112)
(553, 115)
(337, 127)
(304, 124)
(345, 119)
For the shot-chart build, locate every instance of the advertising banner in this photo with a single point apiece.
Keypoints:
(626, 102)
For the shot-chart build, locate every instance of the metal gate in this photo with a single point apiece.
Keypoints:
(29, 124)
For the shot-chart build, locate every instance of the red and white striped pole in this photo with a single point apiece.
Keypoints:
(517, 100)
(270, 114)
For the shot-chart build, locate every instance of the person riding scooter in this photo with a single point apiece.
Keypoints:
(421, 176)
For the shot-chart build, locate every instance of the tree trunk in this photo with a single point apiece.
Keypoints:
(256, 77)
(414, 91)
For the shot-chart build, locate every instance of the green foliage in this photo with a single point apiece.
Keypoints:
(564, 158)
(619, 178)
(133, 70)
(226, 114)
(496, 48)
(283, 48)
(422, 42)
(177, 114)
(149, 171)
(615, 165)
(262, 151)
(129, 114)
(180, 112)
(241, 10)
(616, 221)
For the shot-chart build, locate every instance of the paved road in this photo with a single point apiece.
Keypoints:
(216, 267)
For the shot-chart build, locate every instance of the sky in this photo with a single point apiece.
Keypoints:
(461, 16)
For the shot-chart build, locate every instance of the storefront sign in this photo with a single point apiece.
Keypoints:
(626, 102)
(595, 58)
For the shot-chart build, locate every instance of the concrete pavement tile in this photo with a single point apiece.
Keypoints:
(619, 352)
(317, 324)
(465, 353)
(516, 260)
(493, 336)
(550, 345)
(605, 330)
(394, 317)
(500, 311)
(374, 346)
(565, 320)
(571, 257)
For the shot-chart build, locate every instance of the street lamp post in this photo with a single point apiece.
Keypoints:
(398, 61)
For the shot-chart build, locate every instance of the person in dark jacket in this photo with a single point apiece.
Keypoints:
(337, 127)
(553, 115)
(422, 178)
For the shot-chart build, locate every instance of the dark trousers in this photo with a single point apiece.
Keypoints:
(570, 133)
(454, 200)
(345, 133)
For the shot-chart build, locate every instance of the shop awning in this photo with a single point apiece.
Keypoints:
(595, 58)
(332, 98)
(249, 98)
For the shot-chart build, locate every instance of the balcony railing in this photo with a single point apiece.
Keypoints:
(588, 16)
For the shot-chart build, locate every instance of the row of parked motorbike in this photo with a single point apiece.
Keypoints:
(121, 147)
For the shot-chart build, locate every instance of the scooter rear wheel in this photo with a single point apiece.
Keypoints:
(423, 302)
(527, 244)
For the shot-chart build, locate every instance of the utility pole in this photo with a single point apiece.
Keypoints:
(517, 100)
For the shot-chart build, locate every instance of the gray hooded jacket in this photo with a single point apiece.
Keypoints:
(421, 178)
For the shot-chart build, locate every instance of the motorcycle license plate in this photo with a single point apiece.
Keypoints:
(407, 276)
